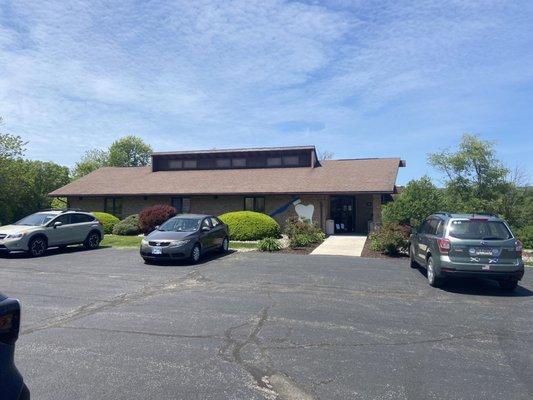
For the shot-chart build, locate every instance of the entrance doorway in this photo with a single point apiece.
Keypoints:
(342, 212)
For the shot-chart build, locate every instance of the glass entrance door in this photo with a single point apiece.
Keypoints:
(342, 212)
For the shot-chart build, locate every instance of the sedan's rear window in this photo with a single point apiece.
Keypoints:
(479, 229)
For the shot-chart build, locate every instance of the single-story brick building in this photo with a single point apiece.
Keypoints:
(281, 181)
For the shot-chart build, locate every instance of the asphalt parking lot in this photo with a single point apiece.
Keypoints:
(101, 324)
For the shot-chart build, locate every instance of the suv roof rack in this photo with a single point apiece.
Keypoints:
(487, 214)
(443, 213)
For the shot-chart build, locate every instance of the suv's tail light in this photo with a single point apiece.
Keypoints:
(519, 248)
(444, 245)
(9, 321)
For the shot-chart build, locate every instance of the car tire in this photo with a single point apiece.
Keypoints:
(508, 285)
(37, 246)
(92, 241)
(225, 245)
(433, 279)
(413, 263)
(196, 254)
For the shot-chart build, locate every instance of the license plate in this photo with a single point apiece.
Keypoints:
(157, 250)
(485, 267)
(484, 252)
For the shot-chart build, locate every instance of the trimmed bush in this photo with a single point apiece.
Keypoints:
(269, 244)
(302, 233)
(129, 226)
(392, 238)
(108, 220)
(249, 225)
(150, 217)
(526, 236)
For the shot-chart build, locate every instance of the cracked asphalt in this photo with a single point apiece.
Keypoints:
(101, 324)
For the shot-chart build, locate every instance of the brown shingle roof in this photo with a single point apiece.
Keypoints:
(376, 175)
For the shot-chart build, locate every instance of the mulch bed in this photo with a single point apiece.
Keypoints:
(369, 253)
(300, 250)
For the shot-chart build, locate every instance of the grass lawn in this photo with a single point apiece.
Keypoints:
(121, 241)
(135, 241)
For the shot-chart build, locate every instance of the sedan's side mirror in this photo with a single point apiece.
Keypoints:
(156, 228)
(57, 223)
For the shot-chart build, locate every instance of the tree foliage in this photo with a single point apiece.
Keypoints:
(91, 161)
(417, 200)
(129, 151)
(25, 184)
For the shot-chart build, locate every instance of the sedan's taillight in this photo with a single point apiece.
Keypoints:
(519, 248)
(444, 245)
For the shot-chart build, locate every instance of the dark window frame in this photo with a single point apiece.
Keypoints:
(116, 209)
(254, 203)
(180, 209)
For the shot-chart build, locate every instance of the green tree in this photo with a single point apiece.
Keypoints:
(475, 178)
(417, 200)
(91, 161)
(129, 151)
(11, 146)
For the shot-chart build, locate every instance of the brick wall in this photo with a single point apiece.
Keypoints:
(215, 205)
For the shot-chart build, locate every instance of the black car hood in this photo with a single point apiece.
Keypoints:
(169, 235)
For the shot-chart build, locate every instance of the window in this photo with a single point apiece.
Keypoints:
(479, 229)
(181, 204)
(214, 221)
(291, 160)
(113, 205)
(274, 161)
(256, 204)
(190, 163)
(223, 162)
(175, 164)
(238, 162)
(432, 227)
(80, 218)
(64, 219)
(206, 223)
(440, 228)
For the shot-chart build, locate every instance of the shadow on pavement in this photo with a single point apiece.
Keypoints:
(186, 263)
(53, 251)
(478, 287)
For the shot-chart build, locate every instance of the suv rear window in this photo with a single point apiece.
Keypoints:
(479, 229)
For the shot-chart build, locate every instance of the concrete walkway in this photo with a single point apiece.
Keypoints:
(341, 245)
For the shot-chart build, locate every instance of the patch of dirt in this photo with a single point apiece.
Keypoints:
(369, 253)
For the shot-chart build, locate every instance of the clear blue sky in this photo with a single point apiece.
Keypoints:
(357, 78)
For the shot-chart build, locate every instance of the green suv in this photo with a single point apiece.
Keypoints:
(55, 228)
(467, 245)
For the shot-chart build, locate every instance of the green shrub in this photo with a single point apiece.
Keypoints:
(129, 226)
(526, 236)
(107, 220)
(302, 233)
(392, 238)
(269, 244)
(249, 225)
(300, 240)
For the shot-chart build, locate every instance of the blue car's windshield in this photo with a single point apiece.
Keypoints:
(38, 219)
(479, 229)
(181, 225)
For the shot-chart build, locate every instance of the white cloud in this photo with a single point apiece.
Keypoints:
(210, 73)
